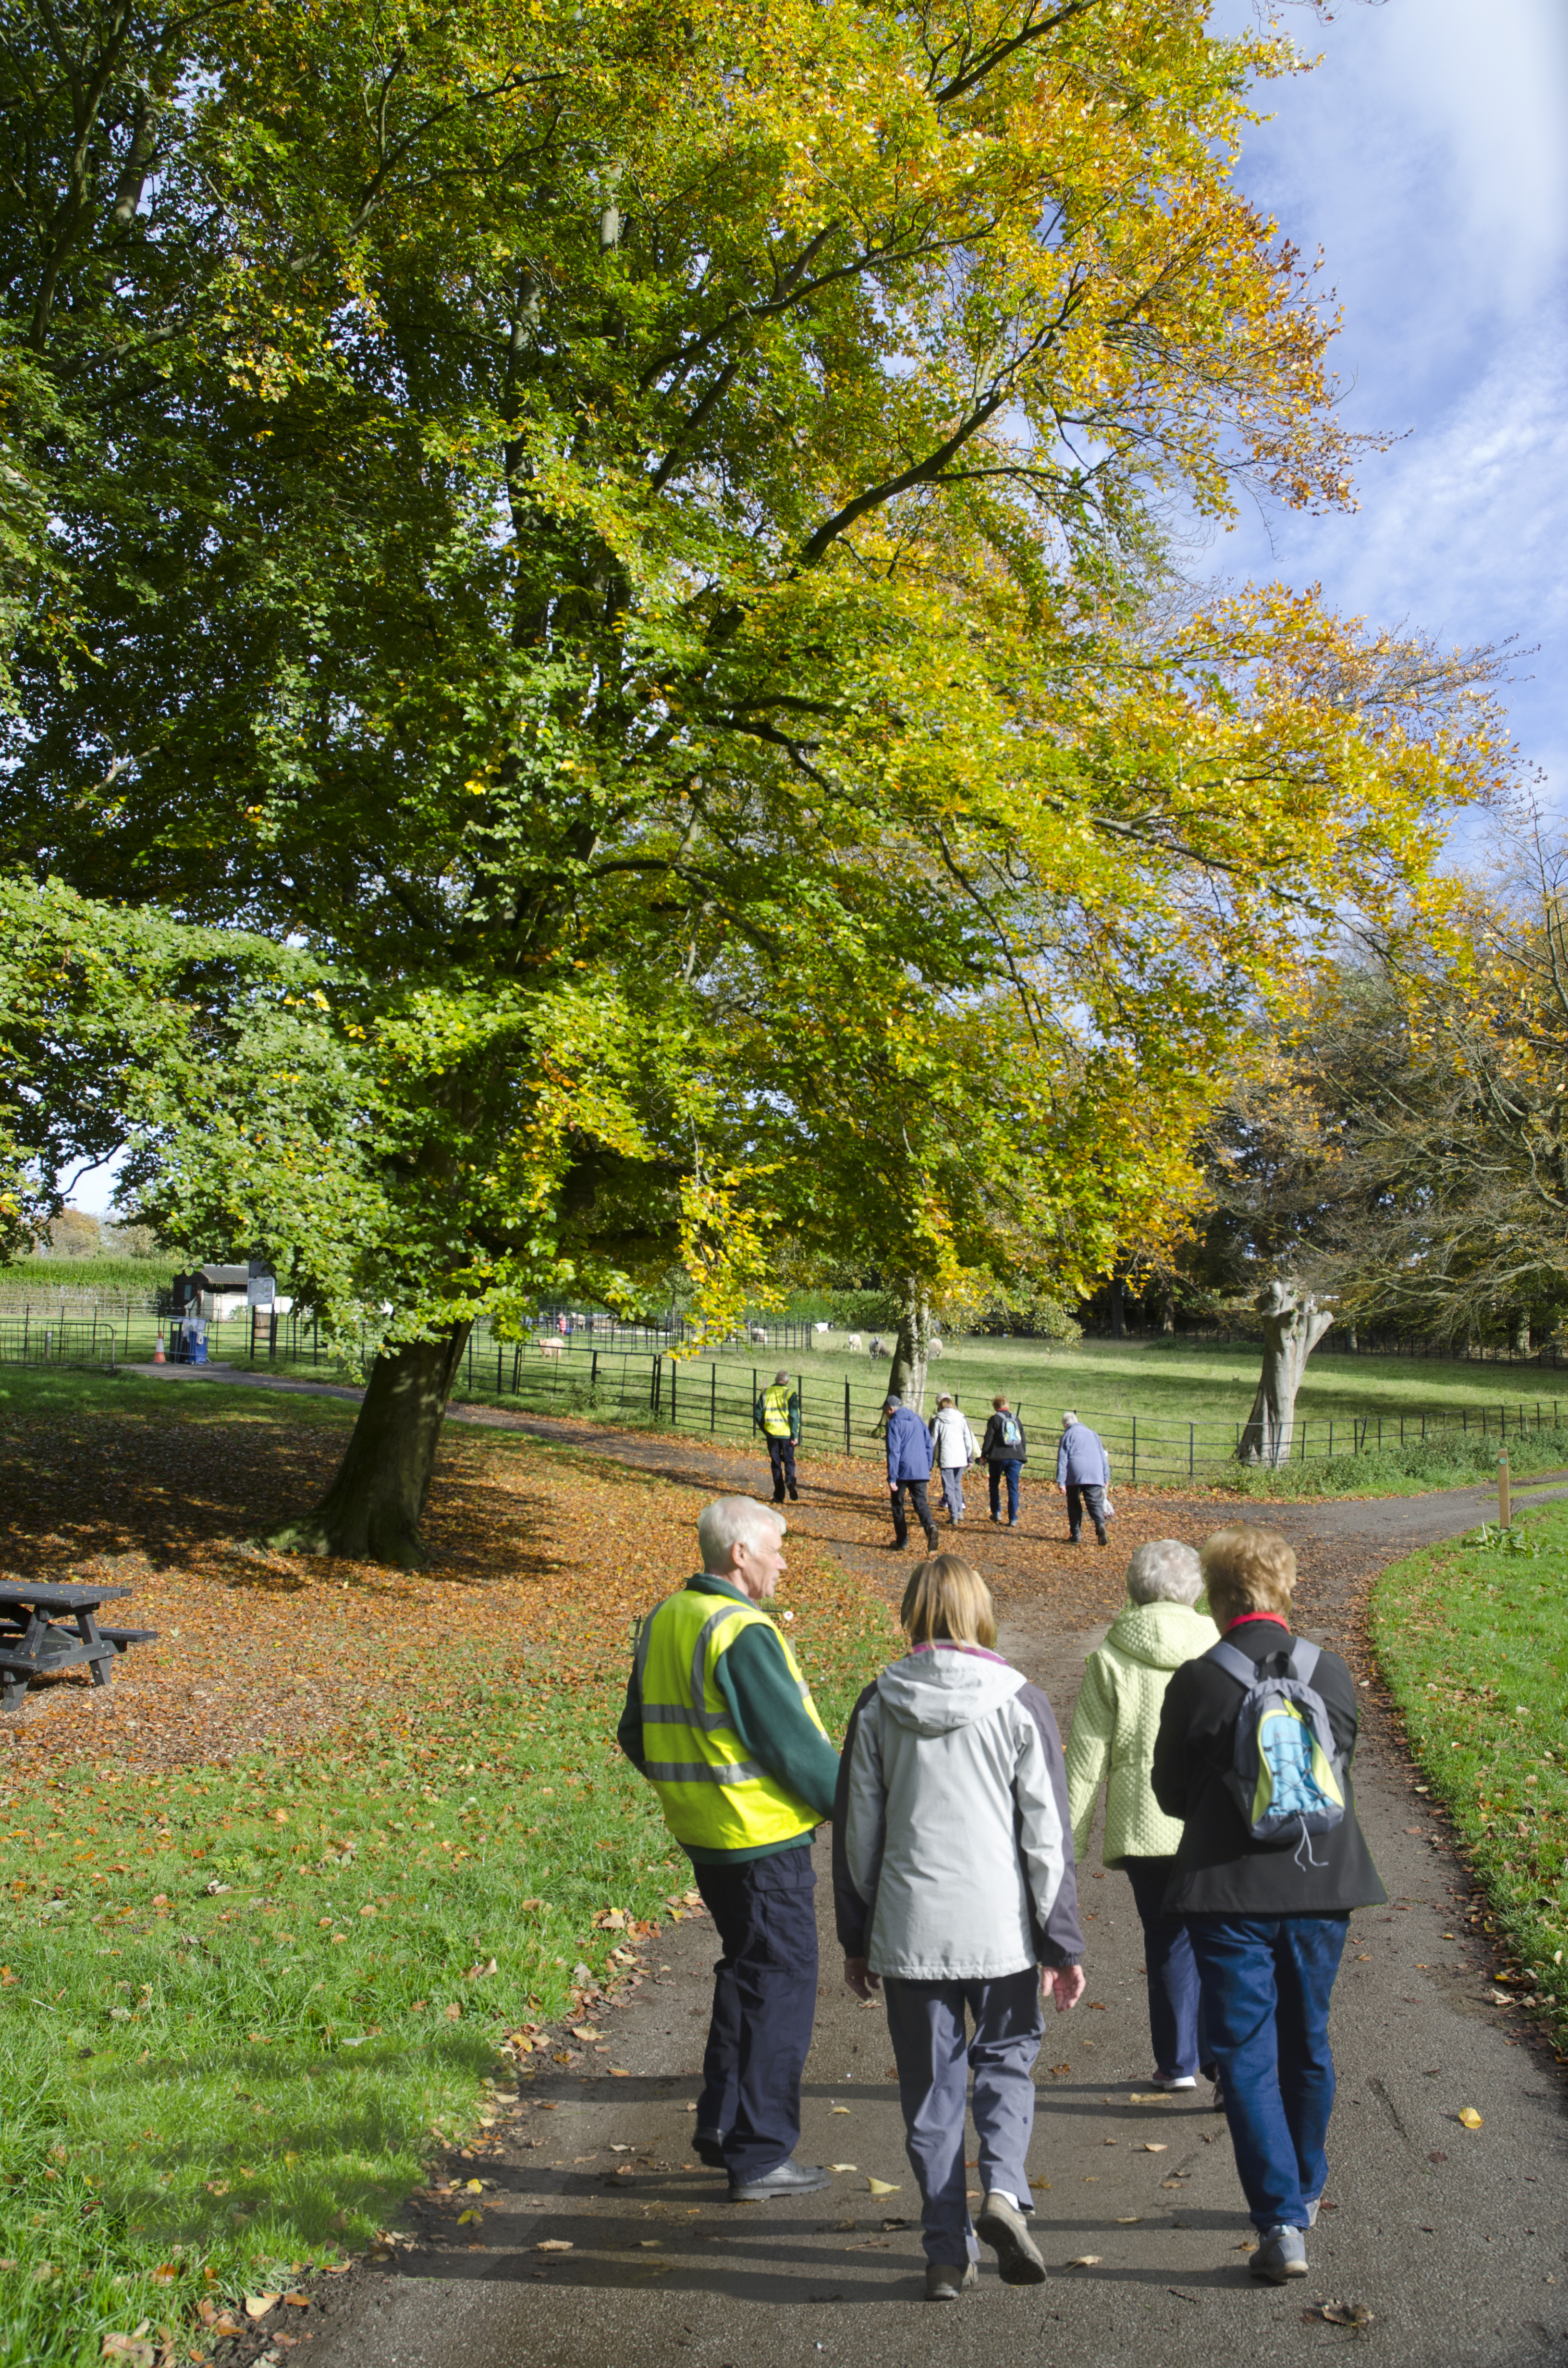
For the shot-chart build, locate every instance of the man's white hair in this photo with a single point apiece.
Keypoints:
(732, 1521)
(1165, 1571)
(1068, 1420)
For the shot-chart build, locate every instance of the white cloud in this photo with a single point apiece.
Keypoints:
(1426, 156)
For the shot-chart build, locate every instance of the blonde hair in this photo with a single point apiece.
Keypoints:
(948, 1599)
(1247, 1569)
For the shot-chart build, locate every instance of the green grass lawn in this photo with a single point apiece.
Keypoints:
(241, 2005)
(1474, 1642)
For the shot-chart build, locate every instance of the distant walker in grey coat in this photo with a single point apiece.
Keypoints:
(1083, 1475)
(954, 1885)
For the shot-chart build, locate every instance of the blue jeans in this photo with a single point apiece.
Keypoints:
(765, 1998)
(925, 2024)
(1012, 1466)
(1266, 1981)
(1175, 1999)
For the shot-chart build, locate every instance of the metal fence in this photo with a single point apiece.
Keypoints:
(1549, 1354)
(46, 1339)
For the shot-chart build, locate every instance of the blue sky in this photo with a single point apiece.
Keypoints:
(1428, 156)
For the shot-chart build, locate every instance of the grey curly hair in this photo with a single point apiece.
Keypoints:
(1165, 1571)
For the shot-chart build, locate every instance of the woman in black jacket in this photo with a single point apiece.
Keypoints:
(1005, 1450)
(1266, 1920)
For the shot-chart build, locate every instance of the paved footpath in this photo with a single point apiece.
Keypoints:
(1455, 2240)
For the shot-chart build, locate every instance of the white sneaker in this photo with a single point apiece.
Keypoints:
(1172, 2081)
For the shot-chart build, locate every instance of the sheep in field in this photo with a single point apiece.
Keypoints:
(879, 1348)
(855, 1342)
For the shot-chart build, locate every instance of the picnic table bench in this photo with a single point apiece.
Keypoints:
(36, 1641)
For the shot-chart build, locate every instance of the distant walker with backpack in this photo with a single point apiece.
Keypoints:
(1003, 1450)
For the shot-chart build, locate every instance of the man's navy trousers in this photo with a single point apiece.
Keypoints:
(765, 1994)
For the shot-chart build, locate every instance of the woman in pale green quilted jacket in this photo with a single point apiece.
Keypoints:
(1114, 1726)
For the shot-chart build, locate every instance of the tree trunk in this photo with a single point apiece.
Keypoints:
(1117, 1309)
(1167, 1312)
(1292, 1327)
(1522, 1332)
(373, 1508)
(907, 1379)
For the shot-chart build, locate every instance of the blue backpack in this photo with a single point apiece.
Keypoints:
(1285, 1777)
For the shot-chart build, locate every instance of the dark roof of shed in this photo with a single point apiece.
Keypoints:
(224, 1277)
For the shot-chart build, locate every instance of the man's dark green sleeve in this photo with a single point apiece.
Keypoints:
(770, 1718)
(629, 1734)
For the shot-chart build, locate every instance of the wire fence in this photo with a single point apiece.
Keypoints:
(612, 1375)
(1549, 1354)
(48, 1340)
(699, 1397)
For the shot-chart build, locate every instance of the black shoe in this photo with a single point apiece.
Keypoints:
(1073, 1538)
(1101, 1539)
(930, 1541)
(779, 1499)
(794, 1496)
(707, 2146)
(788, 2178)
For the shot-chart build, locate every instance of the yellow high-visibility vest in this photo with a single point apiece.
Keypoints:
(712, 1794)
(776, 1410)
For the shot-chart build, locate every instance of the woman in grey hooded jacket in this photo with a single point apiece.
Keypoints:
(954, 1888)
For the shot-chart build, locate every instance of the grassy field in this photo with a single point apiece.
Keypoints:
(265, 1926)
(1473, 1641)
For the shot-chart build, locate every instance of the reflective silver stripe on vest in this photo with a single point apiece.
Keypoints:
(700, 1771)
(710, 1721)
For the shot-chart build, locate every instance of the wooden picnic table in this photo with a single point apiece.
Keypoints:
(35, 1641)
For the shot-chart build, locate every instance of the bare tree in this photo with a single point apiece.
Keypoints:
(1293, 1324)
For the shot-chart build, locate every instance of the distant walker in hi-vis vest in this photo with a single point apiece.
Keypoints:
(721, 1721)
(778, 1416)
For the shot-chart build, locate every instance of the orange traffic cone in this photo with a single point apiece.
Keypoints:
(158, 1356)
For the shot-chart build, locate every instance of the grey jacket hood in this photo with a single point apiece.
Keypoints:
(939, 1687)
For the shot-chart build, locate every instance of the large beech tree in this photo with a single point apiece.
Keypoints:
(615, 543)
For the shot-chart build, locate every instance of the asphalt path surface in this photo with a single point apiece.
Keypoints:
(1455, 2240)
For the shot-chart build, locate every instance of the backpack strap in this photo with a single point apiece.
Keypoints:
(1236, 1664)
(1304, 1659)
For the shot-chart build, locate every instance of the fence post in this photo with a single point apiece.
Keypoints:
(1133, 1482)
(1191, 1449)
(675, 1376)
(848, 1449)
(594, 1372)
(1331, 1439)
(713, 1397)
(754, 1401)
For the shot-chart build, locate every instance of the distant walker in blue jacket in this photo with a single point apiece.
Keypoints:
(1083, 1475)
(909, 1467)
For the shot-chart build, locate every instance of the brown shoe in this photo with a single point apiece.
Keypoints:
(945, 2281)
(1002, 2225)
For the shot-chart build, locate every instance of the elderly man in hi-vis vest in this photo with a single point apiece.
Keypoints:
(720, 1721)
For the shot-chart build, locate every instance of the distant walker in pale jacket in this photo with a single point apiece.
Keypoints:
(1114, 1725)
(953, 1444)
(1083, 1475)
(954, 1885)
